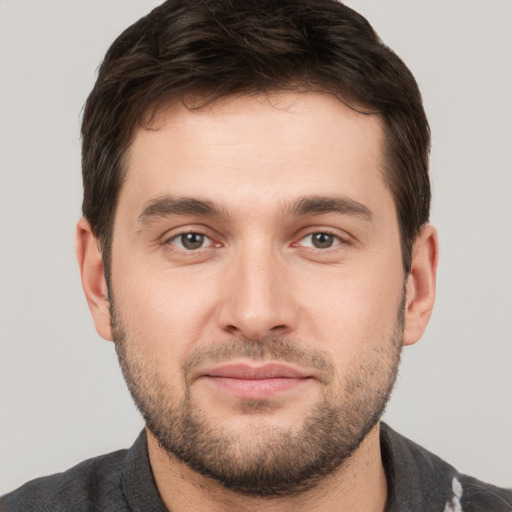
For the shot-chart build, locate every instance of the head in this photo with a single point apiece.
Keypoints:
(197, 52)
(255, 242)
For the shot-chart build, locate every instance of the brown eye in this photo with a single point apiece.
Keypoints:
(190, 241)
(322, 240)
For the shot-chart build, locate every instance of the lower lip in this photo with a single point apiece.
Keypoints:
(256, 389)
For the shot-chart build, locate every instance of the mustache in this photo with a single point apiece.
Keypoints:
(264, 349)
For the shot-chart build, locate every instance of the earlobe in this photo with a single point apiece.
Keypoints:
(92, 274)
(421, 285)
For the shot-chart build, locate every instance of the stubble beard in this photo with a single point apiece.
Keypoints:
(266, 460)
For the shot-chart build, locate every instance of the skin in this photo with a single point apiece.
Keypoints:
(259, 276)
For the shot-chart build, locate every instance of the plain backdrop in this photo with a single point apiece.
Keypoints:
(62, 396)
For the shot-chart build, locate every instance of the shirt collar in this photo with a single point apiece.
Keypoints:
(138, 483)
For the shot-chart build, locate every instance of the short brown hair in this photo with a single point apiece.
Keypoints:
(216, 48)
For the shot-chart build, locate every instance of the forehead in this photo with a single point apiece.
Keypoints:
(262, 148)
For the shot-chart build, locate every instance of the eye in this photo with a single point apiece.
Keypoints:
(190, 241)
(320, 240)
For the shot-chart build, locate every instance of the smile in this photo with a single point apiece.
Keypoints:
(256, 383)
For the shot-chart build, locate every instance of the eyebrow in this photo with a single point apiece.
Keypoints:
(318, 205)
(311, 205)
(169, 205)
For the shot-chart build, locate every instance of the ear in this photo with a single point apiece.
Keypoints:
(421, 284)
(92, 274)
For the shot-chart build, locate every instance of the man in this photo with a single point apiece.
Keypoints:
(256, 243)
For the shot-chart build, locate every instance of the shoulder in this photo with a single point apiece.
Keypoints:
(93, 484)
(479, 496)
(420, 480)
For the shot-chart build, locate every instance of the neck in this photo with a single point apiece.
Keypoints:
(359, 484)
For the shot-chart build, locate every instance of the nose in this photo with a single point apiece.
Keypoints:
(258, 299)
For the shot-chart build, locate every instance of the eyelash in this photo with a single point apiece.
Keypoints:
(336, 241)
(179, 236)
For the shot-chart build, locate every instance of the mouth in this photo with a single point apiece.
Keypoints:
(255, 382)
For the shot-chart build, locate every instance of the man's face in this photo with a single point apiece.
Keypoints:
(258, 286)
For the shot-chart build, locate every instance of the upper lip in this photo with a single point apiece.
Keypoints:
(251, 372)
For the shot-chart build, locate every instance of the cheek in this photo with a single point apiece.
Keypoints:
(166, 311)
(354, 310)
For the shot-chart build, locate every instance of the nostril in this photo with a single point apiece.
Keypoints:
(232, 329)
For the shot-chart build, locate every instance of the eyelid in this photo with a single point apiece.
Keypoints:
(342, 237)
(336, 241)
(178, 237)
(169, 236)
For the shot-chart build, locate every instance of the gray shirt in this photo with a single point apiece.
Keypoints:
(418, 481)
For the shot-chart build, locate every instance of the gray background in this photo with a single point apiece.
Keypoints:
(62, 396)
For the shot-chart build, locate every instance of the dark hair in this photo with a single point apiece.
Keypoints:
(214, 48)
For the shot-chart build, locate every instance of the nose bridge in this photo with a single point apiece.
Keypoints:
(258, 302)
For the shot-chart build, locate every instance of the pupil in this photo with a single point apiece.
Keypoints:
(322, 240)
(192, 240)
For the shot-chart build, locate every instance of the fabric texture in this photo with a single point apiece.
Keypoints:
(122, 481)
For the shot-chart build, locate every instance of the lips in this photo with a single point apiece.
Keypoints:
(244, 371)
(255, 382)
